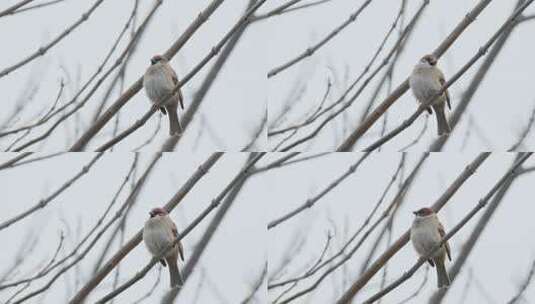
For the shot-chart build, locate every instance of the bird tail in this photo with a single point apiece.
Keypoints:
(442, 122)
(174, 123)
(443, 280)
(174, 274)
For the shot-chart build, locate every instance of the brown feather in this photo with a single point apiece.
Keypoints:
(179, 93)
(443, 82)
(180, 248)
(442, 234)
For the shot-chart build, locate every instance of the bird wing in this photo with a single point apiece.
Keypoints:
(174, 77)
(442, 234)
(175, 234)
(442, 82)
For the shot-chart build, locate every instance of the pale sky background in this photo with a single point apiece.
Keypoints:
(500, 109)
(232, 262)
(233, 109)
(232, 112)
(238, 251)
(500, 260)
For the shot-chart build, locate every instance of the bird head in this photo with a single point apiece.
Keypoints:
(156, 58)
(157, 212)
(429, 59)
(423, 212)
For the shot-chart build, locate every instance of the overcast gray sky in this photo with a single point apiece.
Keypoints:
(228, 118)
(232, 262)
(499, 262)
(231, 112)
(499, 110)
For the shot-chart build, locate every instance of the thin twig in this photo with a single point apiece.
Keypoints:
(92, 283)
(44, 202)
(350, 141)
(360, 282)
(43, 49)
(482, 203)
(312, 201)
(311, 50)
(480, 53)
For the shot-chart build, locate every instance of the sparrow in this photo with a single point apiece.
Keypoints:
(159, 81)
(426, 233)
(159, 233)
(426, 81)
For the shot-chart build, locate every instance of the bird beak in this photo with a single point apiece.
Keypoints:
(152, 61)
(415, 212)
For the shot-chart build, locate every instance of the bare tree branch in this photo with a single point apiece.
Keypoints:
(481, 52)
(394, 50)
(287, 8)
(402, 241)
(214, 204)
(310, 202)
(82, 294)
(470, 243)
(10, 10)
(39, 5)
(229, 199)
(43, 49)
(138, 124)
(14, 160)
(516, 298)
(113, 109)
(481, 204)
(44, 202)
(350, 141)
(311, 50)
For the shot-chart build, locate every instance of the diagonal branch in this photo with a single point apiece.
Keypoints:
(214, 204)
(398, 45)
(101, 274)
(350, 141)
(14, 160)
(311, 50)
(138, 124)
(136, 86)
(480, 53)
(470, 243)
(480, 205)
(311, 201)
(10, 10)
(403, 240)
(44, 202)
(43, 49)
(210, 230)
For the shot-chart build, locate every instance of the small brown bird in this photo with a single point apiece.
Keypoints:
(426, 81)
(158, 234)
(159, 81)
(426, 233)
